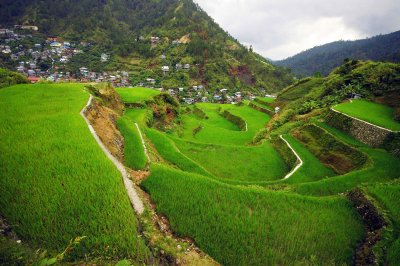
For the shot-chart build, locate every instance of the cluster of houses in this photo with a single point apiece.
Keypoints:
(154, 40)
(56, 52)
(199, 94)
(117, 78)
(178, 67)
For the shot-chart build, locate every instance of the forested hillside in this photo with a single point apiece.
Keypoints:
(183, 34)
(325, 58)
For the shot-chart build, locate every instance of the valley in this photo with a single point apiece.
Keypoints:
(136, 132)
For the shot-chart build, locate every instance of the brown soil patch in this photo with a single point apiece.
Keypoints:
(243, 73)
(103, 121)
(340, 164)
(138, 176)
(374, 224)
(185, 39)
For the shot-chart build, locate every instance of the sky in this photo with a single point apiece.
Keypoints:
(278, 29)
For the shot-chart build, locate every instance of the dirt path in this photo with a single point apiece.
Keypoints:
(132, 193)
(298, 159)
(144, 146)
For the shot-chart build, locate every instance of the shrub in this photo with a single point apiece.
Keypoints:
(235, 119)
(396, 115)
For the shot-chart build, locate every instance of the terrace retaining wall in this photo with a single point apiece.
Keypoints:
(261, 109)
(372, 135)
(134, 106)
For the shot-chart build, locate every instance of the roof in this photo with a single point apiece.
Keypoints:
(33, 79)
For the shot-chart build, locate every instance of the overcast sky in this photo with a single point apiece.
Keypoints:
(281, 28)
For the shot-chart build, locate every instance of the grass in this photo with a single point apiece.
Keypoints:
(137, 116)
(168, 150)
(312, 169)
(55, 181)
(250, 226)
(262, 104)
(266, 99)
(384, 167)
(335, 154)
(136, 94)
(378, 114)
(232, 162)
(134, 155)
(220, 131)
(388, 196)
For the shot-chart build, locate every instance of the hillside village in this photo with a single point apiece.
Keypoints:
(42, 59)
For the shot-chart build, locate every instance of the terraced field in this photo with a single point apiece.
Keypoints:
(378, 114)
(216, 176)
(226, 193)
(55, 182)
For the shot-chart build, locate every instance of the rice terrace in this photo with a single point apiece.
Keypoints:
(181, 146)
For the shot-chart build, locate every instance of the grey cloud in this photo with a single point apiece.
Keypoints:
(281, 28)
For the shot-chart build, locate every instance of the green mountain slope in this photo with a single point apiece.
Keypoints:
(326, 57)
(123, 29)
(375, 81)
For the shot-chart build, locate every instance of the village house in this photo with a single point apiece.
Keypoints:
(55, 44)
(354, 95)
(104, 57)
(176, 42)
(84, 71)
(186, 66)
(165, 69)
(171, 92)
(178, 66)
(154, 40)
(31, 73)
(223, 91)
(217, 97)
(6, 51)
(151, 81)
(188, 100)
(163, 57)
(180, 90)
(277, 109)
(204, 99)
(34, 79)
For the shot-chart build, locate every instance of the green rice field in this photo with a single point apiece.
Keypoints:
(229, 195)
(136, 94)
(55, 181)
(375, 113)
(212, 176)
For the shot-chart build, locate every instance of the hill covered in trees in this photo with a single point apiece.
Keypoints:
(143, 36)
(325, 58)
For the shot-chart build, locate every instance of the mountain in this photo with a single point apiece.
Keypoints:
(124, 30)
(325, 58)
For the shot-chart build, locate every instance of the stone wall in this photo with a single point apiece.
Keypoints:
(365, 132)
